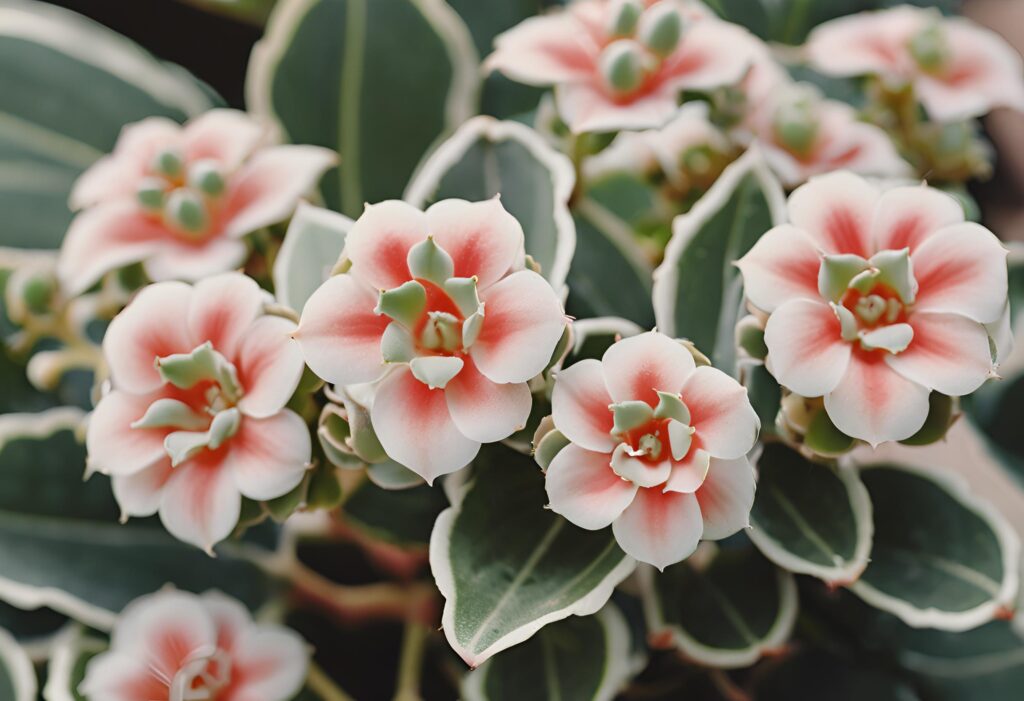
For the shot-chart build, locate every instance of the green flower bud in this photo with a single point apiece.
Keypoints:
(37, 293)
(750, 337)
(169, 163)
(205, 176)
(930, 46)
(151, 193)
(661, 28)
(548, 446)
(186, 211)
(625, 16)
(796, 119)
(622, 66)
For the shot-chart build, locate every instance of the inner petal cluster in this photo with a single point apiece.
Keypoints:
(186, 196)
(649, 440)
(640, 39)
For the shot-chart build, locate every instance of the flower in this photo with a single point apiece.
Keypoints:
(433, 302)
(958, 69)
(176, 646)
(621, 64)
(657, 449)
(875, 299)
(196, 416)
(181, 198)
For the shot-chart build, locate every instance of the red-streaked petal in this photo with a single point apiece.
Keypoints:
(836, 210)
(806, 350)
(582, 487)
(961, 269)
(483, 410)
(713, 54)
(587, 107)
(726, 497)
(114, 447)
(544, 50)
(139, 493)
(122, 676)
(875, 403)
(378, 243)
(660, 528)
(339, 333)
(153, 325)
(907, 216)
(523, 322)
(269, 457)
(184, 260)
(222, 309)
(639, 367)
(223, 135)
(270, 662)
(721, 413)
(868, 42)
(689, 474)
(416, 429)
(230, 618)
(782, 265)
(579, 406)
(270, 365)
(201, 502)
(482, 238)
(949, 353)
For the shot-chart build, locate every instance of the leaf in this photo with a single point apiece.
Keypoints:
(941, 558)
(17, 676)
(379, 81)
(67, 86)
(31, 627)
(486, 157)
(507, 566)
(252, 11)
(698, 292)
(724, 614)
(584, 658)
(62, 547)
(606, 251)
(811, 518)
(817, 674)
(68, 660)
(403, 517)
(310, 251)
(765, 395)
(592, 337)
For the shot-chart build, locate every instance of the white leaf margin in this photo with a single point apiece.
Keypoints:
(305, 215)
(686, 226)
(70, 644)
(617, 669)
(19, 667)
(595, 326)
(444, 578)
(426, 179)
(1009, 544)
(775, 639)
(840, 575)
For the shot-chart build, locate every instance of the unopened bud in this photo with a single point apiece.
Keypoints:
(930, 46)
(796, 120)
(150, 193)
(168, 163)
(622, 66)
(624, 17)
(186, 211)
(205, 176)
(661, 28)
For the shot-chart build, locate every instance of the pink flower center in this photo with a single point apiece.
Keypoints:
(880, 306)
(205, 679)
(186, 196)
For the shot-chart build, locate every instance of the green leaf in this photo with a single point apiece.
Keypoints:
(251, 11)
(485, 158)
(816, 674)
(698, 292)
(379, 81)
(310, 251)
(765, 395)
(726, 613)
(607, 250)
(592, 337)
(67, 86)
(62, 547)
(404, 516)
(584, 658)
(68, 660)
(941, 558)
(507, 566)
(17, 676)
(811, 518)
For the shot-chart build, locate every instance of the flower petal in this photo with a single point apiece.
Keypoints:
(269, 365)
(416, 429)
(907, 216)
(638, 367)
(875, 403)
(270, 662)
(269, 457)
(660, 528)
(151, 326)
(579, 406)
(782, 265)
(223, 135)
(201, 503)
(720, 411)
(867, 42)
(138, 494)
(122, 676)
(340, 334)
(961, 269)
(115, 448)
(379, 241)
(726, 497)
(713, 54)
(949, 353)
(586, 107)
(222, 309)
(806, 351)
(523, 322)
(166, 630)
(687, 476)
(582, 487)
(544, 50)
(482, 238)
(485, 411)
(184, 260)
(267, 188)
(836, 210)
(231, 619)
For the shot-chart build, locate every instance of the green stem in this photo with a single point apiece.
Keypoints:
(323, 686)
(410, 664)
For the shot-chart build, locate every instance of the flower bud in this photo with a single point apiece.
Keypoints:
(796, 120)
(622, 66)
(661, 28)
(930, 46)
(624, 17)
(205, 176)
(168, 163)
(186, 211)
(37, 292)
(750, 337)
(150, 193)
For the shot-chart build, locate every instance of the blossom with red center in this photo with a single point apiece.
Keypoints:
(657, 449)
(176, 646)
(195, 419)
(180, 199)
(958, 69)
(621, 64)
(875, 299)
(437, 304)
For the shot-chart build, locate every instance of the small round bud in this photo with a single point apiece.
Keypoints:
(622, 66)
(185, 211)
(661, 28)
(205, 176)
(150, 193)
(37, 293)
(624, 17)
(168, 163)
(930, 47)
(796, 120)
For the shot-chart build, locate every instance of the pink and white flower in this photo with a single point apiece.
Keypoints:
(875, 300)
(657, 449)
(176, 646)
(436, 306)
(958, 69)
(196, 416)
(621, 64)
(180, 199)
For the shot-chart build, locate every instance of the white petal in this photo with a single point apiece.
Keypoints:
(806, 351)
(379, 241)
(907, 216)
(269, 457)
(579, 406)
(639, 367)
(949, 353)
(201, 503)
(271, 664)
(660, 528)
(836, 210)
(782, 265)
(115, 447)
(485, 411)
(482, 238)
(222, 309)
(139, 493)
(269, 365)
(582, 487)
(721, 413)
(726, 497)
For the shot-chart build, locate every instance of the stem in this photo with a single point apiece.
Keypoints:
(323, 686)
(727, 688)
(578, 153)
(410, 664)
